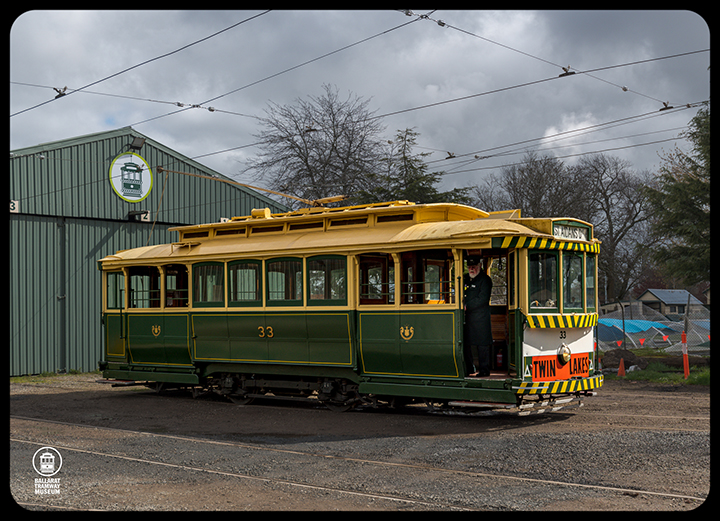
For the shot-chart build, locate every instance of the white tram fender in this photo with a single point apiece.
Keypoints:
(542, 351)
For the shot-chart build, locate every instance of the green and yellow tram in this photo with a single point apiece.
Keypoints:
(358, 305)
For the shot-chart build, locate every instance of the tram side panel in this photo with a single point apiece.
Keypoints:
(158, 339)
(409, 344)
(274, 338)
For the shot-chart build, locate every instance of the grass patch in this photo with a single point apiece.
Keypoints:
(660, 373)
(44, 377)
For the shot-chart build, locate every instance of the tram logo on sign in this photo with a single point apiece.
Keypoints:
(156, 330)
(131, 177)
(407, 332)
(47, 461)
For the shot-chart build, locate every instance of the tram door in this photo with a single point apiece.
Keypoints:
(502, 300)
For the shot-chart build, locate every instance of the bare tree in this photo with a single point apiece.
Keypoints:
(539, 186)
(318, 148)
(599, 189)
(620, 218)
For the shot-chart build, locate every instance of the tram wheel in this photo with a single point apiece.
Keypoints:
(338, 406)
(241, 400)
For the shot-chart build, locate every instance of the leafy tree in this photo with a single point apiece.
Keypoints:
(680, 199)
(405, 176)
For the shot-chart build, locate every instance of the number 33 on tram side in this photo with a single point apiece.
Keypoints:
(358, 305)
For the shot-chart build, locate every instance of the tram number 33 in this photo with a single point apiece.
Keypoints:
(265, 332)
(563, 333)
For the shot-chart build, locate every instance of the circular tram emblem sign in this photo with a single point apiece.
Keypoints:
(131, 177)
(47, 461)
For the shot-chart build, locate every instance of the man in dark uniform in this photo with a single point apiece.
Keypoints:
(478, 333)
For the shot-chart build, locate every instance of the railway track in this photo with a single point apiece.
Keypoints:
(306, 459)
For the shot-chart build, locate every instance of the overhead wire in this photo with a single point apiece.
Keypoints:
(163, 168)
(567, 70)
(563, 157)
(570, 133)
(281, 72)
(395, 112)
(64, 93)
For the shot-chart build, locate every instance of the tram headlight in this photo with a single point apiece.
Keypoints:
(563, 354)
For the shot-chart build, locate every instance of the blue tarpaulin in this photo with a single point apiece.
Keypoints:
(632, 326)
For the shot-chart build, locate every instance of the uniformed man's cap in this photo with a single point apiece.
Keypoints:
(473, 261)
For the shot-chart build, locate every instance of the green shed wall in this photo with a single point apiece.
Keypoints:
(69, 217)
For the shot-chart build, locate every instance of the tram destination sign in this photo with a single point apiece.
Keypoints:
(564, 231)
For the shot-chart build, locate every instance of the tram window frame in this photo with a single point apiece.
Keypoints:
(568, 270)
(328, 274)
(549, 306)
(498, 272)
(202, 284)
(233, 283)
(115, 290)
(590, 282)
(416, 287)
(141, 297)
(292, 279)
(178, 274)
(376, 279)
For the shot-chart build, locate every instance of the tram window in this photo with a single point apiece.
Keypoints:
(542, 274)
(144, 287)
(590, 282)
(176, 286)
(115, 290)
(427, 277)
(499, 274)
(208, 284)
(327, 280)
(284, 282)
(245, 283)
(572, 281)
(377, 279)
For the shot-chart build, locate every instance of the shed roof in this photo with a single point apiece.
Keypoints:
(71, 178)
(670, 296)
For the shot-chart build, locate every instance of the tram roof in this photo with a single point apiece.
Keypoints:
(342, 230)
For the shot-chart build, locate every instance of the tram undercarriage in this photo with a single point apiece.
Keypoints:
(342, 394)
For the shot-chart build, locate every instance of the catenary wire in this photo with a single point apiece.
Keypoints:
(566, 69)
(280, 73)
(144, 63)
(73, 187)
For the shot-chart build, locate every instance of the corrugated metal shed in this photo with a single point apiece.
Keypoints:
(65, 215)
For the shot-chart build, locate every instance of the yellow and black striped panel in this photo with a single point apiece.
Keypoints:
(544, 244)
(560, 387)
(564, 321)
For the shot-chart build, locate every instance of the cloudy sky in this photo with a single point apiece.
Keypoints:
(472, 83)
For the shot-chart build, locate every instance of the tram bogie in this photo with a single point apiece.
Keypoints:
(358, 306)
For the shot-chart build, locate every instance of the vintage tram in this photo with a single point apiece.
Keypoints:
(358, 305)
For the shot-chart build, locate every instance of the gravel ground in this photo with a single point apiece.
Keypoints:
(633, 437)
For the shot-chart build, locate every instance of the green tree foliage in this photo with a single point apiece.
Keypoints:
(680, 199)
(404, 175)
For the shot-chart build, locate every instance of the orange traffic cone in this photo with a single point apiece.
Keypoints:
(621, 369)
